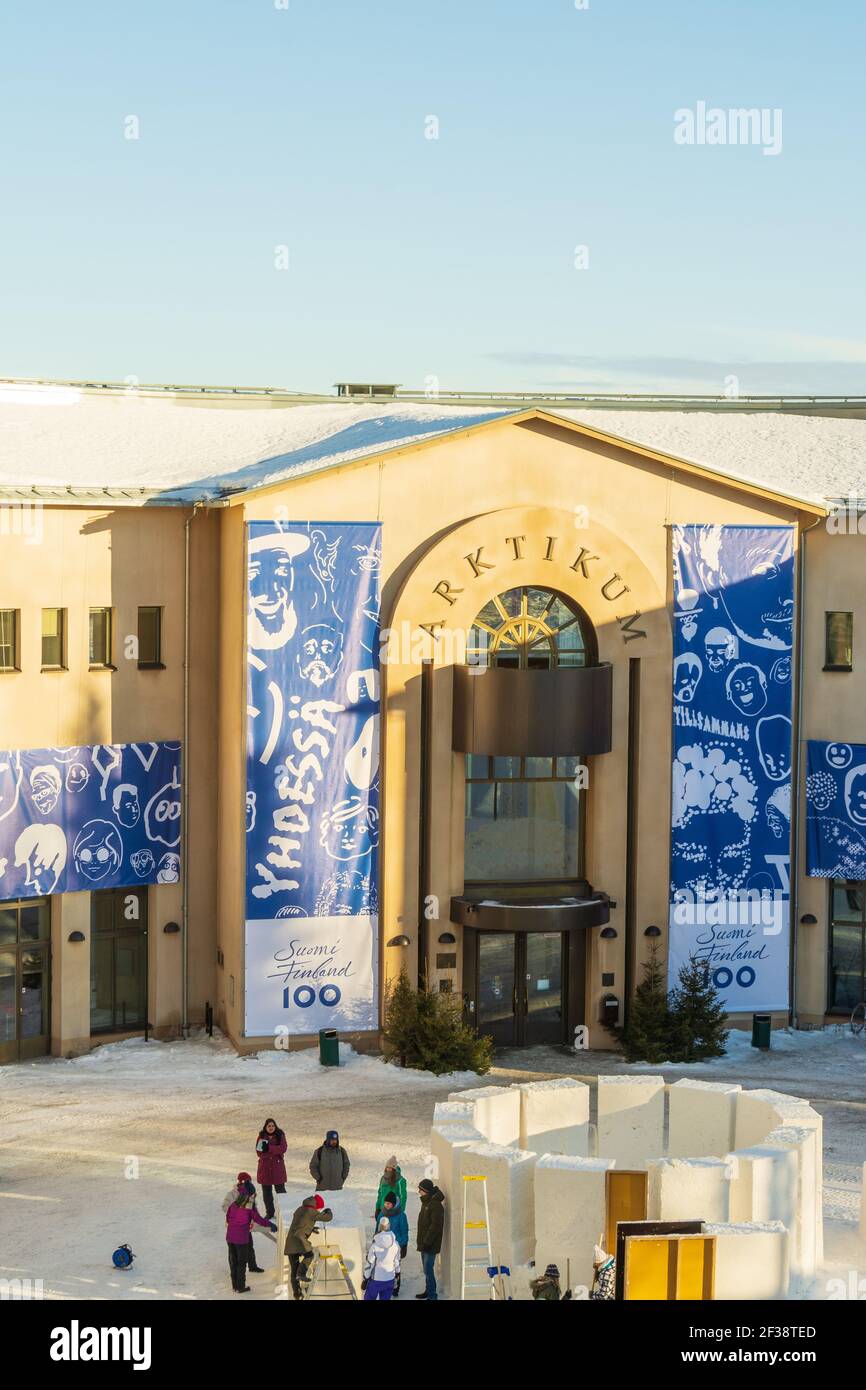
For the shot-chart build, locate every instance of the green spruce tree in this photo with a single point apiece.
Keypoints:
(647, 1035)
(697, 1014)
(401, 1016)
(424, 1030)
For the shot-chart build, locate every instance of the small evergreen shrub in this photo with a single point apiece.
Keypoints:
(424, 1030)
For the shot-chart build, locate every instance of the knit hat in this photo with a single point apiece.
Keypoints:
(599, 1255)
(390, 1197)
(319, 1201)
(392, 1165)
(244, 1177)
(551, 1272)
(384, 1224)
(331, 1134)
(425, 1185)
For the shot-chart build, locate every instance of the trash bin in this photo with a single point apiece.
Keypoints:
(329, 1047)
(761, 1031)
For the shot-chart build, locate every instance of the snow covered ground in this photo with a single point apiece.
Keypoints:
(138, 1143)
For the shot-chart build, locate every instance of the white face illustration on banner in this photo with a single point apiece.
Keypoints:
(98, 851)
(323, 568)
(162, 814)
(124, 803)
(778, 811)
(368, 560)
(720, 648)
(820, 790)
(746, 688)
(271, 619)
(45, 788)
(839, 755)
(773, 736)
(10, 781)
(143, 862)
(758, 604)
(780, 671)
(855, 794)
(250, 811)
(169, 869)
(350, 829)
(320, 653)
(77, 777)
(41, 851)
(687, 674)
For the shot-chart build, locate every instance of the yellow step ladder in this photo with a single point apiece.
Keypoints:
(477, 1255)
(318, 1276)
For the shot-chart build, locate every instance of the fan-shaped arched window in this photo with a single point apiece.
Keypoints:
(531, 628)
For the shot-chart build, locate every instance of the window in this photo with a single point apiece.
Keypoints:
(847, 945)
(523, 820)
(100, 637)
(118, 959)
(839, 641)
(53, 639)
(530, 628)
(150, 637)
(8, 639)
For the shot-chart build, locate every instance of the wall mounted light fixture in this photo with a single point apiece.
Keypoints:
(447, 939)
(808, 920)
(171, 927)
(399, 941)
(608, 933)
(76, 936)
(652, 931)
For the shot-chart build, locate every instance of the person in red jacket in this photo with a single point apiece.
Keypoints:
(239, 1222)
(271, 1173)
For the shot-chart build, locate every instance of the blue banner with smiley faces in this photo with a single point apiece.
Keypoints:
(85, 818)
(836, 810)
(732, 738)
(312, 793)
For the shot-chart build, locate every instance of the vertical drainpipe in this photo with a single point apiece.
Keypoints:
(184, 795)
(425, 769)
(795, 771)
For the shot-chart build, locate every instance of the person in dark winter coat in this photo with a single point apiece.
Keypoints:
(270, 1147)
(329, 1165)
(232, 1196)
(546, 1287)
(240, 1217)
(392, 1180)
(298, 1246)
(398, 1224)
(431, 1224)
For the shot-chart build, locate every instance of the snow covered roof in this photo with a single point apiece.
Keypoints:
(69, 445)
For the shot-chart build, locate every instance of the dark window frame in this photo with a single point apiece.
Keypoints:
(158, 664)
(829, 615)
(120, 930)
(523, 780)
(15, 644)
(107, 664)
(52, 665)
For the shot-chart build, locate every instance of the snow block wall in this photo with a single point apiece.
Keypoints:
(748, 1164)
(569, 1213)
(701, 1118)
(511, 1203)
(751, 1261)
(863, 1204)
(689, 1189)
(446, 1141)
(554, 1116)
(631, 1118)
(495, 1111)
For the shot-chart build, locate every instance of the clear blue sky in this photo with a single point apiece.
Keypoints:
(410, 257)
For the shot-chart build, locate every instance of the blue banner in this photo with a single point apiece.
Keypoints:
(836, 810)
(731, 787)
(80, 819)
(312, 795)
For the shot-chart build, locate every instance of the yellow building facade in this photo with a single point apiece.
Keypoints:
(549, 538)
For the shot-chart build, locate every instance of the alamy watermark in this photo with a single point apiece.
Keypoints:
(734, 125)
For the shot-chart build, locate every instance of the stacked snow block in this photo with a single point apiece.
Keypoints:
(495, 1111)
(509, 1172)
(554, 1116)
(751, 1260)
(689, 1189)
(763, 1184)
(631, 1119)
(863, 1204)
(701, 1118)
(759, 1115)
(801, 1198)
(570, 1214)
(452, 1131)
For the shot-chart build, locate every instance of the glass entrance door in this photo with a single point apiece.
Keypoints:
(25, 997)
(543, 993)
(521, 987)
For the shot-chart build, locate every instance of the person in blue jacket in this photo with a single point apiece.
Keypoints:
(399, 1228)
